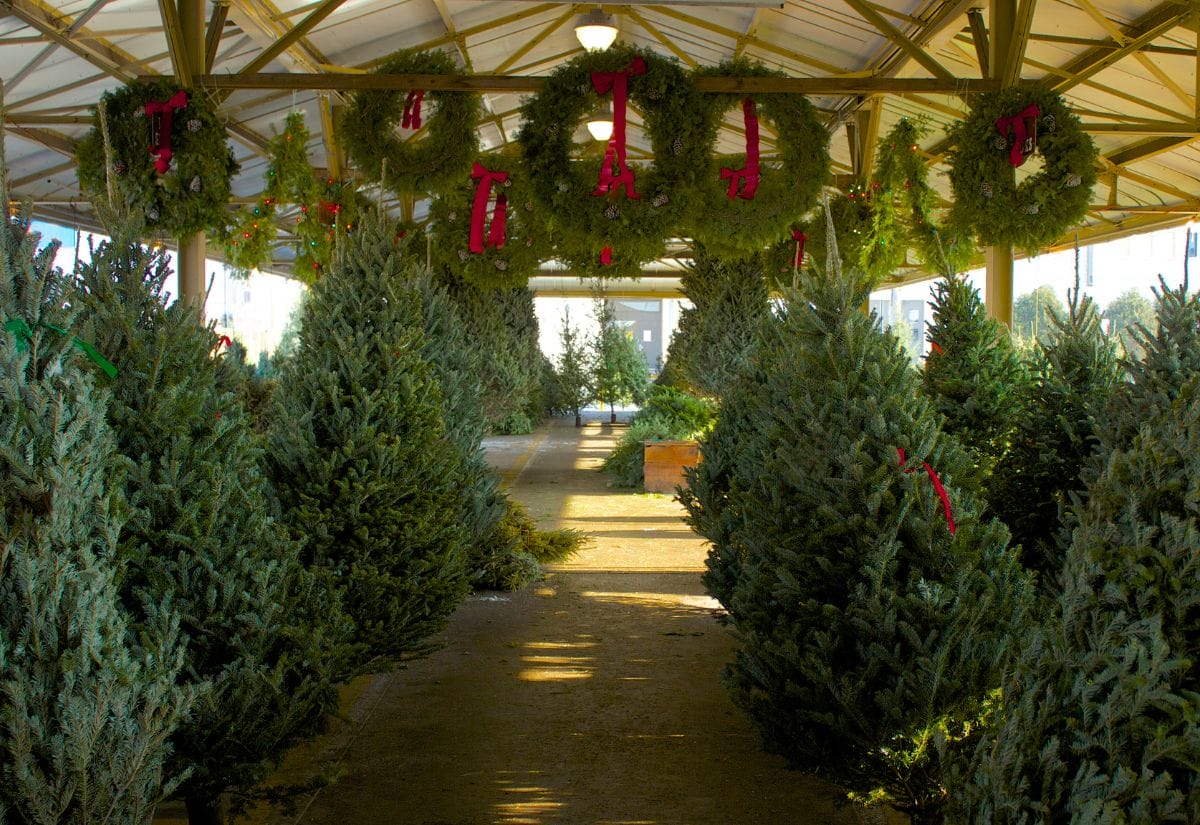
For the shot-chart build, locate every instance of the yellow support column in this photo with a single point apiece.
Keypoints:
(190, 261)
(998, 294)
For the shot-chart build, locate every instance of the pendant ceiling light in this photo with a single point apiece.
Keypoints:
(596, 30)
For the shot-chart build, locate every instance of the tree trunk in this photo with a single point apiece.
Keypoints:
(203, 810)
(578, 420)
(612, 414)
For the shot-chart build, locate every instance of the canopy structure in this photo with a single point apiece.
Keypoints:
(1128, 68)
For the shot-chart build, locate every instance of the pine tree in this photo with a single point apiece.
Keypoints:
(1073, 376)
(872, 616)
(618, 366)
(368, 474)
(972, 374)
(1103, 724)
(266, 634)
(575, 379)
(85, 713)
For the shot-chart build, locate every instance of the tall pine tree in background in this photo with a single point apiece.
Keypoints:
(574, 374)
(872, 616)
(85, 715)
(265, 633)
(1103, 719)
(972, 373)
(368, 475)
(1074, 374)
(618, 366)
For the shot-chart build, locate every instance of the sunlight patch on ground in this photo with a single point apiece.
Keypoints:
(656, 599)
(558, 645)
(538, 802)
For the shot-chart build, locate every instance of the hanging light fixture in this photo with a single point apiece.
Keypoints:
(600, 129)
(596, 30)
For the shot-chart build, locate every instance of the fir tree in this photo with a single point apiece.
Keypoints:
(618, 366)
(368, 474)
(1127, 312)
(1073, 376)
(85, 714)
(575, 379)
(872, 616)
(1033, 314)
(1103, 724)
(266, 634)
(972, 374)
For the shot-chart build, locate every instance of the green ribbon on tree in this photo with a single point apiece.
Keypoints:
(24, 333)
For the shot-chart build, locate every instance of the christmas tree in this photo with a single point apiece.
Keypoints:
(972, 374)
(618, 366)
(260, 629)
(369, 476)
(872, 605)
(1102, 724)
(1073, 376)
(86, 712)
(574, 375)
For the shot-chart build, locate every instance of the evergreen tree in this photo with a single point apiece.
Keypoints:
(369, 476)
(715, 335)
(872, 616)
(1104, 719)
(1033, 314)
(619, 368)
(1125, 314)
(972, 374)
(1073, 376)
(265, 633)
(85, 714)
(575, 379)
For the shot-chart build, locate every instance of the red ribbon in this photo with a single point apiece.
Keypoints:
(749, 173)
(614, 156)
(412, 110)
(496, 237)
(224, 341)
(937, 485)
(606, 256)
(161, 147)
(933, 345)
(1024, 143)
(799, 237)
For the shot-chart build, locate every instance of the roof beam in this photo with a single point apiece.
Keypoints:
(95, 50)
(536, 40)
(437, 42)
(1145, 149)
(212, 35)
(459, 41)
(979, 38)
(51, 140)
(286, 41)
(1119, 37)
(30, 67)
(1146, 28)
(1010, 72)
(666, 42)
(42, 175)
(899, 38)
(176, 43)
(751, 33)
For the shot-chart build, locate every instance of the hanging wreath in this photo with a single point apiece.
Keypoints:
(804, 245)
(748, 201)
(609, 214)
(171, 165)
(994, 196)
(393, 135)
(489, 230)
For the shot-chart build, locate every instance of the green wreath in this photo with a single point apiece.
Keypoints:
(681, 128)
(438, 154)
(988, 200)
(191, 195)
(527, 242)
(788, 185)
(850, 212)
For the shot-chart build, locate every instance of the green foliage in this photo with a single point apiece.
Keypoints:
(990, 202)
(870, 631)
(1125, 314)
(713, 340)
(669, 414)
(851, 216)
(788, 184)
(973, 374)
(1103, 723)
(1073, 377)
(1032, 314)
(574, 374)
(86, 710)
(368, 474)
(618, 365)
(513, 554)
(193, 194)
(267, 635)
(437, 160)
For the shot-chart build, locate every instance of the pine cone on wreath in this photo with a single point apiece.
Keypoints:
(194, 184)
(611, 212)
(462, 255)
(501, 264)
(1073, 180)
(986, 189)
(194, 125)
(677, 145)
(660, 200)
(1049, 123)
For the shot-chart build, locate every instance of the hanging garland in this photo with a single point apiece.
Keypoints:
(1002, 132)
(489, 230)
(334, 214)
(438, 146)
(171, 165)
(748, 202)
(609, 215)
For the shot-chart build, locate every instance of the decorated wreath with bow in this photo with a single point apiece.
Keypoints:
(610, 212)
(417, 141)
(1022, 170)
(170, 164)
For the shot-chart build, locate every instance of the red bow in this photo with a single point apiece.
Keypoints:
(1026, 135)
(938, 486)
(606, 256)
(496, 237)
(614, 156)
(412, 110)
(935, 347)
(799, 237)
(749, 173)
(161, 146)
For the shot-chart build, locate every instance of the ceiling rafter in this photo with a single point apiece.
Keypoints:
(45, 137)
(666, 42)
(213, 33)
(1119, 37)
(751, 33)
(291, 36)
(177, 44)
(53, 25)
(899, 39)
(1010, 72)
(459, 40)
(536, 40)
(30, 67)
(1148, 27)
(17, 183)
(471, 31)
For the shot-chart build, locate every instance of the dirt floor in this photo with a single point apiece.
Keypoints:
(591, 698)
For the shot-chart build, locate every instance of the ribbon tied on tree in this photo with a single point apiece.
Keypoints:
(23, 334)
(937, 485)
(747, 175)
(164, 112)
(1024, 129)
(412, 109)
(799, 237)
(483, 190)
(614, 172)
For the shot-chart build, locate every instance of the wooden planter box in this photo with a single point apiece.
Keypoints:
(664, 463)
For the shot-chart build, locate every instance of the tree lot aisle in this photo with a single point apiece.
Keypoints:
(593, 697)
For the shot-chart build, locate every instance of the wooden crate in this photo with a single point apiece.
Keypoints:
(665, 461)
